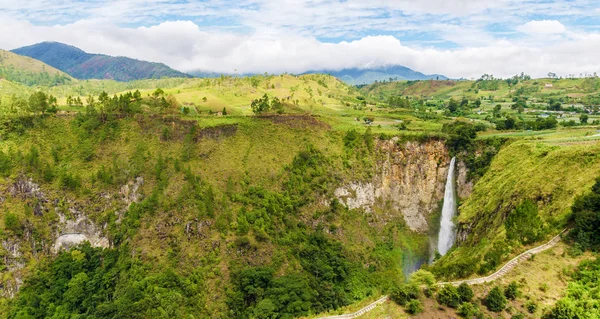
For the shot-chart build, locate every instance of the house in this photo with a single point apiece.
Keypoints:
(548, 85)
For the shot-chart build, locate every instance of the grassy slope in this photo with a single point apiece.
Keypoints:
(542, 280)
(575, 88)
(548, 173)
(255, 155)
(26, 64)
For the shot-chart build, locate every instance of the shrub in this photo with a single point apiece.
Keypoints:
(422, 277)
(531, 306)
(512, 291)
(69, 181)
(467, 310)
(5, 164)
(414, 307)
(465, 292)
(449, 296)
(12, 223)
(405, 293)
(518, 316)
(524, 223)
(495, 300)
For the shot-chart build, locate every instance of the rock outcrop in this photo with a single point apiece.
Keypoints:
(77, 230)
(409, 179)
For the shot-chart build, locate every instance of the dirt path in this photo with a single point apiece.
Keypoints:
(476, 281)
(359, 312)
(509, 265)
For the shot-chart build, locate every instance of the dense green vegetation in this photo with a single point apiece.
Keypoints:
(217, 196)
(581, 300)
(586, 217)
(31, 78)
(96, 283)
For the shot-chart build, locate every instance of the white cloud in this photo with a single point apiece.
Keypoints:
(543, 27)
(186, 46)
(283, 35)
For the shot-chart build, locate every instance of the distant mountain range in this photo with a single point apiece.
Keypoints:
(356, 76)
(82, 65)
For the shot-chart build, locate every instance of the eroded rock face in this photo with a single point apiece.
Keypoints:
(130, 192)
(409, 180)
(75, 231)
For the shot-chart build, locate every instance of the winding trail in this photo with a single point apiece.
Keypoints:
(361, 311)
(509, 265)
(475, 281)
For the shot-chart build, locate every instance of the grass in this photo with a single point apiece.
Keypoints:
(549, 167)
(542, 279)
(548, 173)
(26, 64)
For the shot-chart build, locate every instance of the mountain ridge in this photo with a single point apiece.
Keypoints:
(360, 76)
(83, 65)
(352, 76)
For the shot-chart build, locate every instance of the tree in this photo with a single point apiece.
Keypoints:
(414, 307)
(564, 309)
(554, 105)
(277, 105)
(405, 293)
(497, 109)
(422, 277)
(512, 291)
(38, 102)
(464, 102)
(495, 300)
(460, 135)
(467, 310)
(452, 105)
(224, 112)
(449, 296)
(586, 217)
(261, 105)
(583, 118)
(465, 292)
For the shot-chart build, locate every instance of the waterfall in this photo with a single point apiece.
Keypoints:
(447, 236)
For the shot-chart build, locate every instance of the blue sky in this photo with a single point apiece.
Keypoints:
(458, 38)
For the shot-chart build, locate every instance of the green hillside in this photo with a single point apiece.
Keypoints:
(28, 71)
(232, 197)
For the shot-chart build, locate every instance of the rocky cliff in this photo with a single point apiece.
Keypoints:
(68, 222)
(409, 179)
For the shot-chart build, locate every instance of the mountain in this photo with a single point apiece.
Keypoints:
(357, 76)
(83, 65)
(22, 69)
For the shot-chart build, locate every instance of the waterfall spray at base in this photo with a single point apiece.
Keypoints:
(447, 235)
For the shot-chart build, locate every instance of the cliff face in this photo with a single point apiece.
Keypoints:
(68, 221)
(409, 179)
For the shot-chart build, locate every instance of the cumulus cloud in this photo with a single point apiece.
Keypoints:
(291, 35)
(543, 27)
(186, 46)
